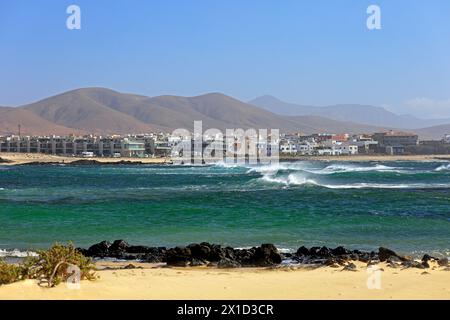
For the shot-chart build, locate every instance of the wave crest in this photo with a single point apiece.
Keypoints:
(16, 253)
(291, 179)
(444, 167)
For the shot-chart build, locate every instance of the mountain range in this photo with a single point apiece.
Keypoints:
(104, 111)
(365, 114)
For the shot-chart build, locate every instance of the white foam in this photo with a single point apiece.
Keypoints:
(336, 168)
(387, 186)
(444, 167)
(267, 169)
(223, 164)
(291, 179)
(296, 179)
(330, 169)
(16, 253)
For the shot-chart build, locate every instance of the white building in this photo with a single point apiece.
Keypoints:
(346, 148)
(306, 148)
(447, 138)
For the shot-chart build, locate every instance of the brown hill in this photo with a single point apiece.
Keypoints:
(436, 132)
(314, 124)
(100, 110)
(76, 109)
(30, 123)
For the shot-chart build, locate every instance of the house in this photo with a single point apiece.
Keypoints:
(393, 150)
(393, 138)
(346, 148)
(306, 147)
(447, 138)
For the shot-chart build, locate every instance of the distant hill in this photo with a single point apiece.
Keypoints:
(366, 114)
(77, 109)
(104, 111)
(100, 110)
(30, 123)
(436, 132)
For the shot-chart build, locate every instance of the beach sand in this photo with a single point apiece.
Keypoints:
(281, 283)
(22, 158)
(361, 157)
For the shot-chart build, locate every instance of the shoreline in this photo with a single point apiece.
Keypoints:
(153, 282)
(14, 159)
(175, 273)
(212, 255)
(368, 158)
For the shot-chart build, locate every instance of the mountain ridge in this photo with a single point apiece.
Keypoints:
(359, 113)
(104, 111)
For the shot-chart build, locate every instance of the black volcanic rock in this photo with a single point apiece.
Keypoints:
(178, 257)
(226, 263)
(324, 252)
(329, 256)
(200, 251)
(198, 254)
(303, 251)
(205, 253)
(266, 255)
(83, 251)
(385, 253)
(118, 248)
(339, 251)
(155, 255)
(100, 250)
(138, 249)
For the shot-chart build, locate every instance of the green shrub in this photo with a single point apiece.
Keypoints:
(51, 265)
(10, 273)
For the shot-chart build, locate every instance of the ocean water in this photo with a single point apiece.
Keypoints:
(401, 205)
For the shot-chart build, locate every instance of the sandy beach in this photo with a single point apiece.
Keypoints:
(155, 282)
(359, 158)
(24, 158)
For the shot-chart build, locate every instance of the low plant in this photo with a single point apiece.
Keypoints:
(50, 266)
(10, 273)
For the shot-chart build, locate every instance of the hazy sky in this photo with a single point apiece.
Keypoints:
(308, 52)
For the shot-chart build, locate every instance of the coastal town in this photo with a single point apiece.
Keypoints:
(161, 145)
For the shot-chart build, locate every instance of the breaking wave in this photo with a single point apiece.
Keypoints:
(289, 180)
(444, 167)
(330, 169)
(296, 180)
(223, 164)
(336, 168)
(388, 186)
(15, 253)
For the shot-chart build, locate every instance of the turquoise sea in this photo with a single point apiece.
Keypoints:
(361, 205)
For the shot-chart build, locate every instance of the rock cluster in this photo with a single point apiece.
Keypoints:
(120, 249)
(192, 255)
(266, 255)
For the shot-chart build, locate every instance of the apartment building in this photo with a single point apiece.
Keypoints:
(76, 146)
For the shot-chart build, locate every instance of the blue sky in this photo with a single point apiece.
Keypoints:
(308, 52)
